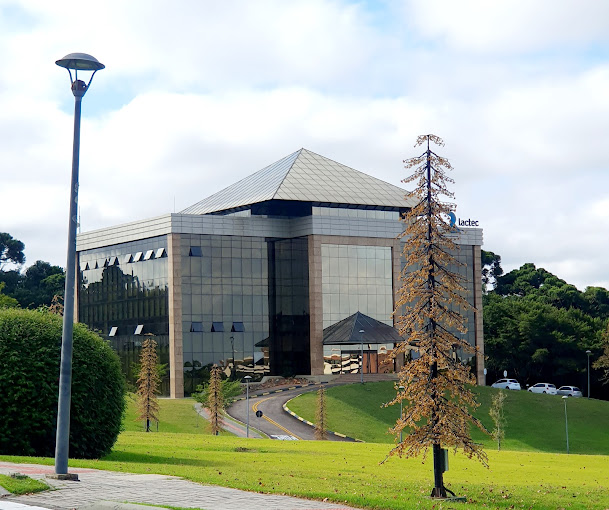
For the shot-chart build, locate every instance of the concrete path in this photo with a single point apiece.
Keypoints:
(107, 490)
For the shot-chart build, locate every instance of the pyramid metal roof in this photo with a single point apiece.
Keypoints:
(306, 177)
(347, 331)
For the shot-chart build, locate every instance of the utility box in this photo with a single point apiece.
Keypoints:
(444, 459)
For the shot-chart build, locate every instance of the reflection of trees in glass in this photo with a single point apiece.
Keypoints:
(108, 297)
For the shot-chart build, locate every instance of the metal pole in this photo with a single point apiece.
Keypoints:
(566, 422)
(62, 445)
(401, 388)
(588, 354)
(361, 368)
(247, 399)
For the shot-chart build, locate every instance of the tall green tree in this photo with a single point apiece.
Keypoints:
(429, 312)
(11, 250)
(39, 284)
(491, 269)
(538, 327)
(7, 301)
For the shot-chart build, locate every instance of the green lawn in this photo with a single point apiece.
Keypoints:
(176, 416)
(22, 484)
(352, 473)
(534, 422)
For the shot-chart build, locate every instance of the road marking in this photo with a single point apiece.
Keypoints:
(273, 422)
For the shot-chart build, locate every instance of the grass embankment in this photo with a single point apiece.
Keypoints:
(534, 422)
(22, 484)
(176, 416)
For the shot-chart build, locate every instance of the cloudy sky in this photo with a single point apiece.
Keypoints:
(198, 94)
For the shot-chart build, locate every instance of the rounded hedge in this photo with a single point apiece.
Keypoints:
(30, 351)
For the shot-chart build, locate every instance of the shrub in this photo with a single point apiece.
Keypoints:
(30, 350)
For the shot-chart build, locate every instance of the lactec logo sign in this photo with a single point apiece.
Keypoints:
(458, 222)
(468, 223)
(453, 219)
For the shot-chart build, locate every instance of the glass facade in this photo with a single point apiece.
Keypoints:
(123, 294)
(356, 279)
(245, 306)
(225, 306)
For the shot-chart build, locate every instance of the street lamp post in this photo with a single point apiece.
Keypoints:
(247, 400)
(401, 388)
(565, 398)
(76, 62)
(361, 368)
(588, 352)
(232, 343)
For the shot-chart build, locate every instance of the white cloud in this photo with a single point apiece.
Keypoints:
(201, 94)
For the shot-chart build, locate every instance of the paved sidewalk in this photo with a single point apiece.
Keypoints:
(96, 487)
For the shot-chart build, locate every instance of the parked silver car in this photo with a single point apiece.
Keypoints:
(508, 384)
(570, 391)
(542, 387)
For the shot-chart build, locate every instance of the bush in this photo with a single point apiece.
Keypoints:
(30, 351)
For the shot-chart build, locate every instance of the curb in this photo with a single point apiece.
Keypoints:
(307, 422)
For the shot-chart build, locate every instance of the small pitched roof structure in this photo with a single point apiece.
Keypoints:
(306, 177)
(348, 330)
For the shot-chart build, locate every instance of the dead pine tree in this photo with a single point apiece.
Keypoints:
(498, 417)
(148, 383)
(429, 313)
(215, 400)
(321, 429)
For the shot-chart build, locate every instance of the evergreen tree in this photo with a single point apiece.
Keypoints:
(148, 384)
(321, 431)
(429, 314)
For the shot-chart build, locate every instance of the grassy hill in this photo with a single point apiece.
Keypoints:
(534, 422)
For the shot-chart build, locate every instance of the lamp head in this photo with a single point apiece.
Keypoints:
(588, 352)
(565, 397)
(80, 62)
(247, 377)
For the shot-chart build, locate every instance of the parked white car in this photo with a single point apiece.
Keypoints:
(570, 391)
(508, 384)
(542, 387)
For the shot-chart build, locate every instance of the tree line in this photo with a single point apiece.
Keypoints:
(538, 327)
(33, 287)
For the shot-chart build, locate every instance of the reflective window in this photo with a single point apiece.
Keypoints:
(196, 327)
(356, 278)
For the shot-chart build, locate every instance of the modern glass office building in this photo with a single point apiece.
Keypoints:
(256, 277)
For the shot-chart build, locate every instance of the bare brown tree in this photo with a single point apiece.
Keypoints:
(429, 313)
(148, 384)
(215, 400)
(498, 417)
(321, 429)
